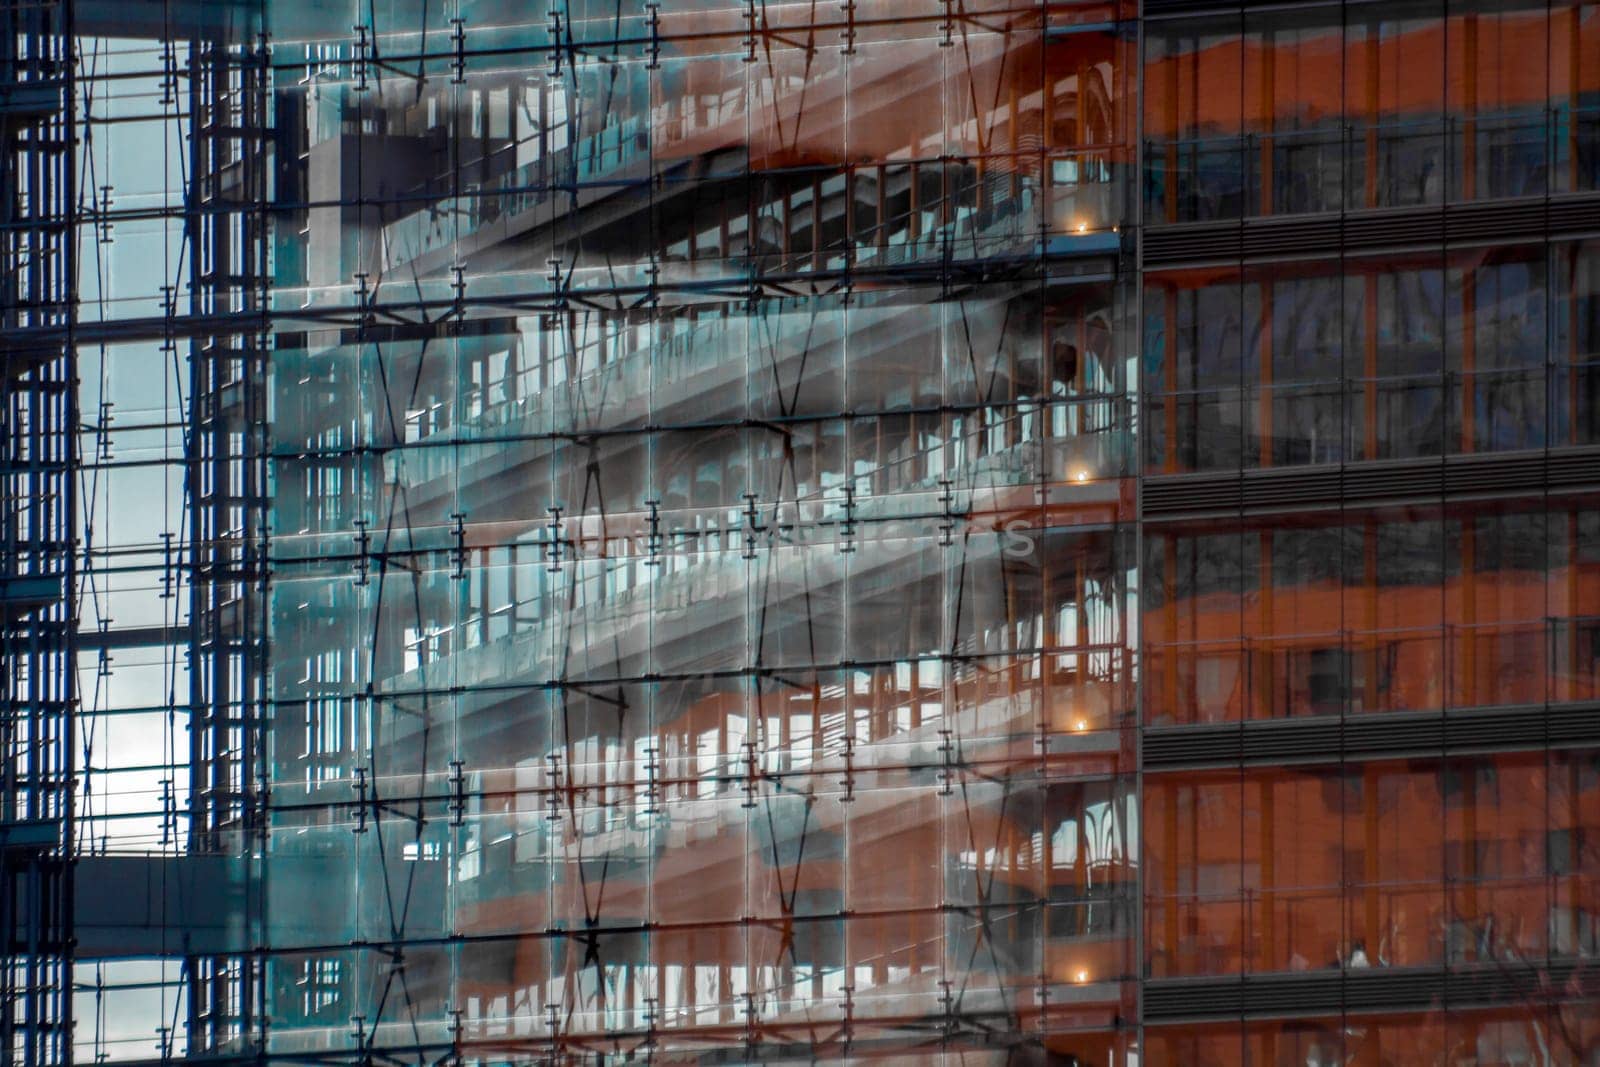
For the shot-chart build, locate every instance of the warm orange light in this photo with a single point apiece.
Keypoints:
(1081, 977)
(1081, 476)
(1083, 227)
(1080, 725)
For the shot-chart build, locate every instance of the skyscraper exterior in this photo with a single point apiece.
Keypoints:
(963, 531)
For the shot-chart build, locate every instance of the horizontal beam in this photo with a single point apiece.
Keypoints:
(128, 906)
(1529, 472)
(174, 20)
(22, 596)
(1303, 237)
(1518, 983)
(30, 835)
(1371, 736)
(133, 637)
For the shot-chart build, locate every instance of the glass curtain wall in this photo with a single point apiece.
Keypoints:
(675, 529)
(702, 606)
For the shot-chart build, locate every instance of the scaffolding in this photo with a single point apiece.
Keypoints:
(37, 565)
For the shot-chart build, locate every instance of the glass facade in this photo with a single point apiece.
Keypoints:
(964, 531)
(1332, 107)
(746, 514)
(1399, 356)
(1349, 660)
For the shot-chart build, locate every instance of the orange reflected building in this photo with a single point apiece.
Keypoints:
(1369, 558)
